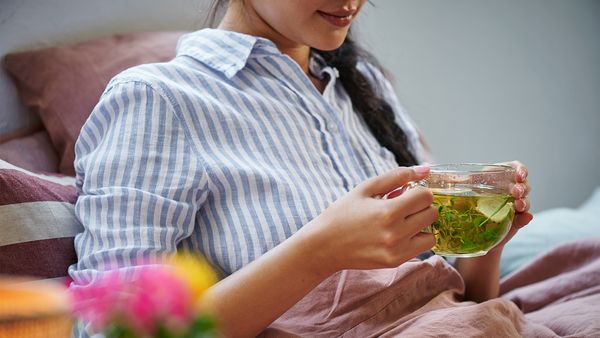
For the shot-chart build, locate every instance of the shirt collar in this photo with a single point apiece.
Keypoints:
(222, 50)
(228, 52)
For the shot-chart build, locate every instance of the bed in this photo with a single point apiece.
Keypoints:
(53, 71)
(551, 269)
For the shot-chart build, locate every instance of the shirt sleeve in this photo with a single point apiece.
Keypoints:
(415, 136)
(139, 182)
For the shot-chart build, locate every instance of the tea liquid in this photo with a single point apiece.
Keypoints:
(470, 222)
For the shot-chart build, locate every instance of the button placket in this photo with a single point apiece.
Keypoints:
(335, 142)
(358, 147)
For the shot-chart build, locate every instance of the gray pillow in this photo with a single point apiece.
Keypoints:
(550, 228)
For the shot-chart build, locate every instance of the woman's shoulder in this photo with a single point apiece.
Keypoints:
(176, 81)
(160, 76)
(178, 86)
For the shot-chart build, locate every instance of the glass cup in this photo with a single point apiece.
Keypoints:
(475, 207)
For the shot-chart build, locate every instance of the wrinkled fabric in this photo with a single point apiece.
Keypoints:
(556, 295)
(559, 292)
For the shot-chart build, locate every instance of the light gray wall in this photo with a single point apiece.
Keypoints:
(486, 80)
(495, 80)
(27, 24)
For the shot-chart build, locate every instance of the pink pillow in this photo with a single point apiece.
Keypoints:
(32, 151)
(63, 84)
(38, 223)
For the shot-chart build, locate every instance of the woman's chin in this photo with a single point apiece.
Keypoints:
(330, 44)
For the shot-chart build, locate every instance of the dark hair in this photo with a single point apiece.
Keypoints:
(366, 97)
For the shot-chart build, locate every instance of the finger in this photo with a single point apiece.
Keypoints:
(520, 190)
(522, 174)
(411, 202)
(382, 184)
(397, 192)
(415, 223)
(522, 219)
(522, 205)
(521, 171)
(422, 242)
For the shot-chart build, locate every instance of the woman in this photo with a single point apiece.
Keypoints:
(266, 145)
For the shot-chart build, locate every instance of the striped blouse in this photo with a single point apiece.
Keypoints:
(228, 149)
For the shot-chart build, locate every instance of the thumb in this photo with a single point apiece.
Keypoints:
(395, 178)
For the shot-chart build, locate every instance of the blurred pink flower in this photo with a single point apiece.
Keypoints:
(152, 294)
(146, 298)
(96, 302)
(157, 295)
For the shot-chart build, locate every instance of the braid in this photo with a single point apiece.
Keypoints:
(378, 114)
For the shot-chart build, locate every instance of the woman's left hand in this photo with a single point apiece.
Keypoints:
(482, 274)
(520, 192)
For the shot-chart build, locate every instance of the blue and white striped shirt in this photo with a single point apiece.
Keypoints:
(228, 149)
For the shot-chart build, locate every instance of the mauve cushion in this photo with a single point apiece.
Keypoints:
(63, 84)
(32, 152)
(38, 223)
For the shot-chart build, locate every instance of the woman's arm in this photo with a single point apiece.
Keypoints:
(247, 301)
(142, 186)
(359, 231)
(482, 274)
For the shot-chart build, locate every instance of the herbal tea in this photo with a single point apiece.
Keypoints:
(470, 221)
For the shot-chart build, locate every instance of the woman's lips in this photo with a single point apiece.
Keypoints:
(339, 19)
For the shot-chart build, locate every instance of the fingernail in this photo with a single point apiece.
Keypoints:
(520, 190)
(523, 173)
(421, 169)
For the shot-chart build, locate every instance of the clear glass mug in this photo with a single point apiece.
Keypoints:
(475, 207)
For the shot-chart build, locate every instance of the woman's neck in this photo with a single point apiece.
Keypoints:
(243, 19)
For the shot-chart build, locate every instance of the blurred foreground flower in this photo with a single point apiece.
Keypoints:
(155, 300)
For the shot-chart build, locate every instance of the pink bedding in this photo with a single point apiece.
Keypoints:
(32, 152)
(558, 294)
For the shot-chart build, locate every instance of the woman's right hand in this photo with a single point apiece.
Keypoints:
(363, 231)
(359, 231)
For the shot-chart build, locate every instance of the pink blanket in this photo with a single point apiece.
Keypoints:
(556, 295)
